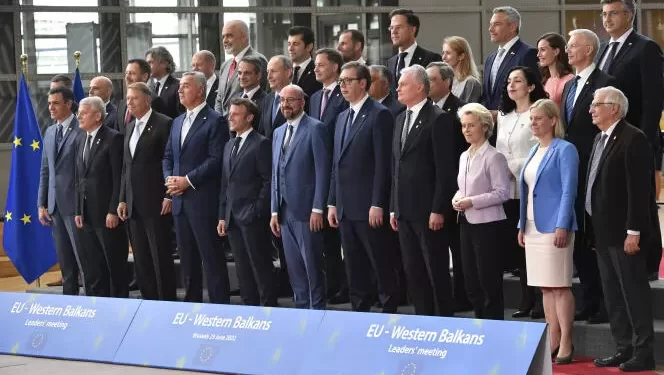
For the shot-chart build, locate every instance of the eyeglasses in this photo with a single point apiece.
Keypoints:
(595, 105)
(612, 13)
(289, 100)
(346, 81)
(575, 46)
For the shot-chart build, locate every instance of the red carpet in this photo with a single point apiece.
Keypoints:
(584, 366)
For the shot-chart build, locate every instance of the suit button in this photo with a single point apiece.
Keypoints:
(534, 195)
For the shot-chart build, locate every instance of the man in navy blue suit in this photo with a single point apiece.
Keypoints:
(360, 190)
(192, 171)
(380, 90)
(504, 30)
(300, 185)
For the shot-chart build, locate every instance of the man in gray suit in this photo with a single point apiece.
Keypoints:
(57, 195)
(235, 36)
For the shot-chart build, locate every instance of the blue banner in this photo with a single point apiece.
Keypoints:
(365, 343)
(70, 327)
(220, 338)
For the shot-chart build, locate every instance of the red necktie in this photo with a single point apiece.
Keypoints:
(232, 69)
(127, 117)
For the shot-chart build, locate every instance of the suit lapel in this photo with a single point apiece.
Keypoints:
(247, 143)
(609, 145)
(416, 128)
(585, 91)
(509, 55)
(65, 136)
(332, 101)
(297, 138)
(358, 122)
(487, 68)
(547, 157)
(147, 128)
(96, 144)
(176, 132)
(202, 116)
(417, 56)
(627, 45)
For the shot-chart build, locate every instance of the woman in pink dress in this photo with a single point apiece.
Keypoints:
(554, 65)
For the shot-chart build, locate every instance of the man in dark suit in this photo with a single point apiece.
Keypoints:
(103, 88)
(300, 185)
(57, 194)
(204, 61)
(279, 73)
(143, 200)
(404, 27)
(380, 90)
(250, 76)
(162, 83)
(98, 178)
(351, 46)
(441, 76)
(192, 171)
(504, 30)
(359, 191)
(244, 205)
(423, 183)
(137, 70)
(620, 200)
(576, 99)
(326, 105)
(235, 36)
(300, 46)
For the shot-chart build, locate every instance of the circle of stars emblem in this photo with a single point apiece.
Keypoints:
(410, 369)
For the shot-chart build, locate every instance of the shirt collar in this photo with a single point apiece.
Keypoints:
(94, 132)
(587, 71)
(418, 107)
(356, 108)
(250, 94)
(361, 60)
(162, 81)
(146, 117)
(297, 120)
(610, 130)
(331, 86)
(410, 49)
(245, 134)
(383, 98)
(303, 65)
(507, 46)
(240, 55)
(210, 81)
(442, 101)
(623, 37)
(67, 121)
(196, 110)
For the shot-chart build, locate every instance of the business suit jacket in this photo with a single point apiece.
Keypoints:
(555, 188)
(258, 98)
(265, 125)
(98, 183)
(393, 105)
(199, 158)
(307, 80)
(111, 115)
(245, 182)
(451, 106)
(168, 101)
(230, 86)
(521, 54)
(306, 170)
(421, 56)
(637, 68)
(214, 90)
(142, 185)
(335, 105)
(120, 125)
(56, 179)
(424, 173)
(361, 171)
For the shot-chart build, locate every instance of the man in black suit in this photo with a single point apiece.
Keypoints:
(192, 171)
(204, 61)
(504, 29)
(137, 70)
(441, 76)
(360, 190)
(162, 83)
(423, 183)
(143, 200)
(380, 90)
(279, 73)
(98, 175)
(250, 76)
(300, 46)
(103, 88)
(351, 46)
(620, 200)
(244, 205)
(404, 27)
(577, 95)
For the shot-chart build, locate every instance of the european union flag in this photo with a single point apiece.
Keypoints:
(27, 243)
(79, 94)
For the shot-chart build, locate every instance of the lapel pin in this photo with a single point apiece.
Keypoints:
(363, 116)
(512, 53)
(204, 118)
(98, 140)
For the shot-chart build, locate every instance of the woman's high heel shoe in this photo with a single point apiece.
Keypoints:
(565, 360)
(554, 353)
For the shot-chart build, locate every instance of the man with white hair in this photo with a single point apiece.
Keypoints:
(99, 172)
(620, 200)
(103, 87)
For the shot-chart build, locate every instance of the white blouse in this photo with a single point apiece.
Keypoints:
(514, 140)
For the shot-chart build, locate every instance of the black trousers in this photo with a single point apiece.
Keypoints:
(252, 252)
(585, 261)
(67, 248)
(365, 249)
(427, 263)
(151, 241)
(335, 272)
(628, 299)
(482, 264)
(460, 294)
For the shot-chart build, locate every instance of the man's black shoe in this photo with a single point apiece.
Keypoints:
(614, 360)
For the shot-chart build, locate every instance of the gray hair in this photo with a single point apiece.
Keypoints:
(200, 77)
(209, 56)
(383, 72)
(444, 69)
(160, 53)
(513, 16)
(96, 103)
(615, 96)
(590, 36)
(420, 74)
(285, 60)
(483, 115)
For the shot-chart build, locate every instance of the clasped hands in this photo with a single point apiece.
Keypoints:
(176, 185)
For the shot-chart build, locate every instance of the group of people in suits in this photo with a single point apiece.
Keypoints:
(298, 156)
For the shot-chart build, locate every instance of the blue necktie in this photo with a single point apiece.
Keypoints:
(349, 122)
(58, 137)
(275, 107)
(569, 102)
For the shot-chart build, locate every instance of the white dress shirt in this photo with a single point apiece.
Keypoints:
(250, 93)
(65, 124)
(189, 121)
(409, 56)
(303, 66)
(139, 126)
(208, 84)
(442, 101)
(162, 82)
(243, 137)
(621, 42)
(92, 141)
(415, 112)
(583, 78)
(498, 61)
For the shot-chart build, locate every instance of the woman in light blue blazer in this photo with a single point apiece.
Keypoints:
(547, 222)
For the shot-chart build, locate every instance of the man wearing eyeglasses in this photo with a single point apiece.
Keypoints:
(577, 95)
(299, 189)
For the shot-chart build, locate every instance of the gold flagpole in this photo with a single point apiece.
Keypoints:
(77, 58)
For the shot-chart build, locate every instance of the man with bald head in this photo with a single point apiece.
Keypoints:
(204, 61)
(300, 183)
(103, 88)
(235, 36)
(279, 74)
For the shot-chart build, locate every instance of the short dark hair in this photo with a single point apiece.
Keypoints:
(384, 72)
(412, 19)
(142, 65)
(65, 80)
(628, 5)
(307, 34)
(254, 61)
(252, 108)
(355, 36)
(507, 105)
(361, 71)
(66, 93)
(333, 55)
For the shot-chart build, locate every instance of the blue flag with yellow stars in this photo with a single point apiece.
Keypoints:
(79, 94)
(27, 243)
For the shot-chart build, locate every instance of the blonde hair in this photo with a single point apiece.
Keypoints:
(467, 65)
(483, 116)
(550, 109)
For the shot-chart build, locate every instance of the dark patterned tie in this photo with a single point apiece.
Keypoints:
(597, 155)
(406, 128)
(289, 135)
(569, 101)
(609, 58)
(400, 65)
(86, 150)
(58, 137)
(296, 72)
(236, 148)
